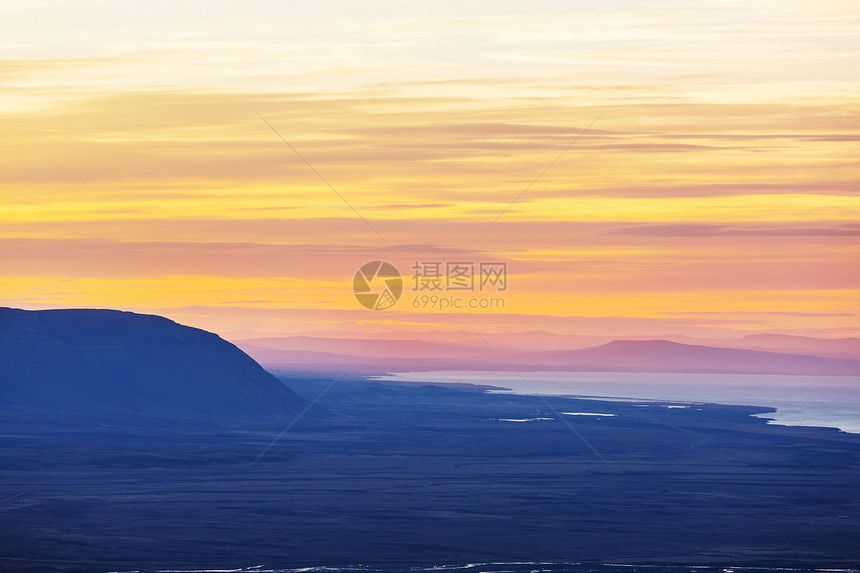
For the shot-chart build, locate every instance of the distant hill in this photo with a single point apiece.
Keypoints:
(399, 355)
(339, 354)
(107, 361)
(832, 347)
(666, 356)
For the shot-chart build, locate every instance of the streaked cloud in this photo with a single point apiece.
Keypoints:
(721, 181)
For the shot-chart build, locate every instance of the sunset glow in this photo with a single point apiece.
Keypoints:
(716, 193)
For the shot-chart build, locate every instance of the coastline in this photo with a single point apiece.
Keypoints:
(820, 402)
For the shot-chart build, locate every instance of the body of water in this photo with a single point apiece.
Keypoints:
(829, 401)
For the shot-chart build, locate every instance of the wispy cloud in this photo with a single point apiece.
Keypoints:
(722, 178)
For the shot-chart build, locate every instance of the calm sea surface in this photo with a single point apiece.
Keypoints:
(830, 401)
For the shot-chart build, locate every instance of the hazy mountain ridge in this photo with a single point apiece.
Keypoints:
(668, 356)
(386, 355)
(832, 347)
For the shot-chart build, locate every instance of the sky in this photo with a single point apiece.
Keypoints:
(642, 168)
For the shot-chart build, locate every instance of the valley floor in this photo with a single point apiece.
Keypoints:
(398, 475)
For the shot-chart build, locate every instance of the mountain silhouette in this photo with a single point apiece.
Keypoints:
(667, 356)
(404, 355)
(107, 361)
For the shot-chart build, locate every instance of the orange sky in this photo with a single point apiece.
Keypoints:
(718, 193)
